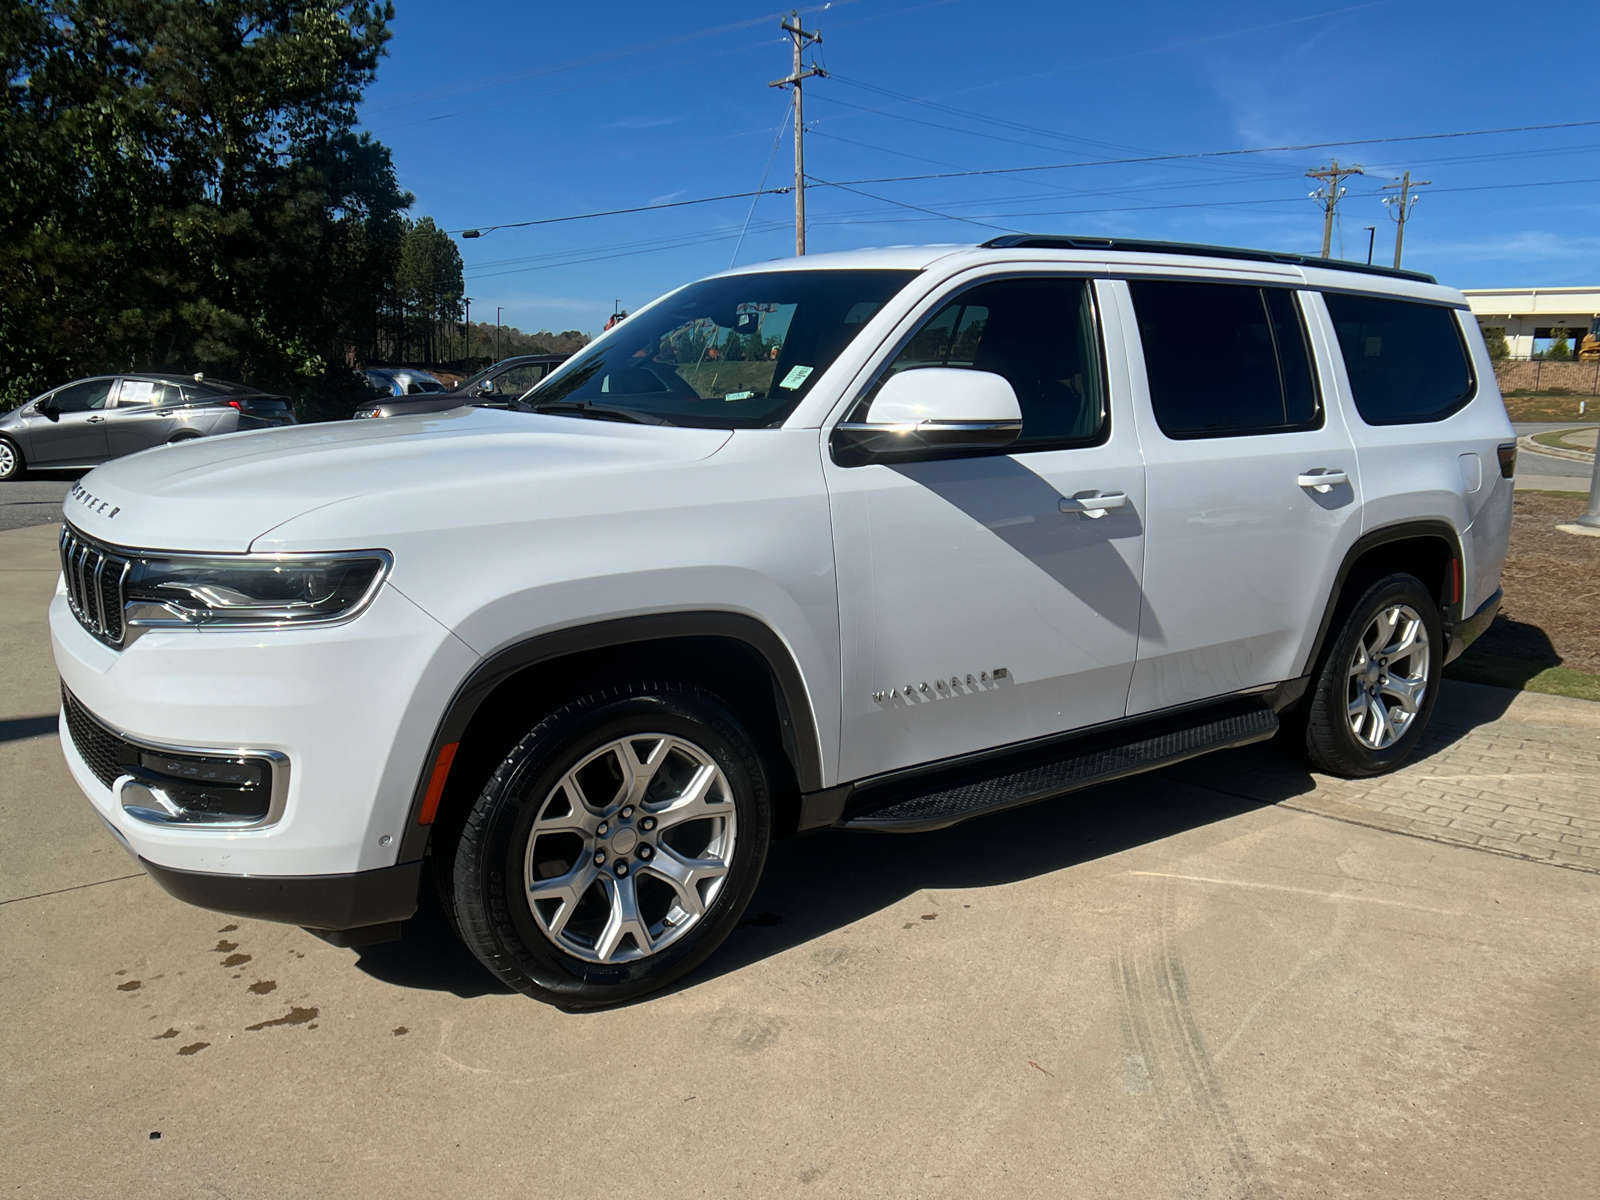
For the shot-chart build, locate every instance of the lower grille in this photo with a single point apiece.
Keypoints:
(203, 788)
(108, 755)
(94, 576)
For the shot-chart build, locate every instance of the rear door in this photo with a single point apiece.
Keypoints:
(76, 435)
(1254, 493)
(145, 415)
(979, 605)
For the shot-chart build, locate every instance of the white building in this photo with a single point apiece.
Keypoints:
(1530, 316)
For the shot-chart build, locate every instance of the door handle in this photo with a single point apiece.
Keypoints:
(95, 420)
(1322, 479)
(1093, 505)
(163, 412)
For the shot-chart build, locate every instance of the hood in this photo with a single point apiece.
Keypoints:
(222, 493)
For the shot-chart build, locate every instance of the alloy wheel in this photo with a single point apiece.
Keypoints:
(8, 459)
(1388, 677)
(630, 848)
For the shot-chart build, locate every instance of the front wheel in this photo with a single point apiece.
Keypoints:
(1377, 687)
(615, 848)
(10, 460)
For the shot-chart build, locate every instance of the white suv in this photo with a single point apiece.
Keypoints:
(880, 540)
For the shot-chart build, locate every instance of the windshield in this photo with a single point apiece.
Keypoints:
(732, 353)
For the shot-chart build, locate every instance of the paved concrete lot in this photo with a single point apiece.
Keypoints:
(25, 502)
(1236, 979)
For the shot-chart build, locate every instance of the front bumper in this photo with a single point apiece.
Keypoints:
(350, 708)
(369, 902)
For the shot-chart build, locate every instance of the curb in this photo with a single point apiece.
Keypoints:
(1527, 443)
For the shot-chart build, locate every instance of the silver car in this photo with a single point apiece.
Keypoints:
(93, 420)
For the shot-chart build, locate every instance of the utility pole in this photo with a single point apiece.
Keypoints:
(1329, 195)
(467, 354)
(1400, 207)
(497, 311)
(801, 40)
(1372, 236)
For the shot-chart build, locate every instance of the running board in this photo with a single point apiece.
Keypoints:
(1104, 762)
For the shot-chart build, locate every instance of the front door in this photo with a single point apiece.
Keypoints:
(1253, 490)
(980, 603)
(75, 435)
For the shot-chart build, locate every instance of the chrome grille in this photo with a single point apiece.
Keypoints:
(94, 575)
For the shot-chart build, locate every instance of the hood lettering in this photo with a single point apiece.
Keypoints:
(92, 502)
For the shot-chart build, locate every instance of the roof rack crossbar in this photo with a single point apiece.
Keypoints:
(1030, 241)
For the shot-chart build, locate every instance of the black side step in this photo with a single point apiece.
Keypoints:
(1104, 762)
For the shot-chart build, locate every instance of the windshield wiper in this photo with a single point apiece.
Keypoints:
(601, 412)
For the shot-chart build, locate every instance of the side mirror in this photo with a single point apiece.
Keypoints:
(48, 410)
(933, 408)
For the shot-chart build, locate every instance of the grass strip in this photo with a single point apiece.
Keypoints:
(1477, 667)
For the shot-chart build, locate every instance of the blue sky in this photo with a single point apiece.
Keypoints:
(503, 112)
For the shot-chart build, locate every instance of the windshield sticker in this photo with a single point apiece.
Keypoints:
(796, 377)
(740, 396)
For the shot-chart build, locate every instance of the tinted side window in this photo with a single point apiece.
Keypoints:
(1406, 361)
(82, 397)
(1040, 335)
(1225, 359)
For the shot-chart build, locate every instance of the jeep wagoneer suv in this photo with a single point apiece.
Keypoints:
(882, 540)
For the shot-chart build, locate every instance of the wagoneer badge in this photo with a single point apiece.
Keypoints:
(956, 685)
(91, 502)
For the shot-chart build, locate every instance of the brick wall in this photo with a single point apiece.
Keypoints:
(1578, 378)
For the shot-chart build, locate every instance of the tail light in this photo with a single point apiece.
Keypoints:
(234, 404)
(1508, 459)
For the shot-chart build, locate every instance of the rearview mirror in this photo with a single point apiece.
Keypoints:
(930, 409)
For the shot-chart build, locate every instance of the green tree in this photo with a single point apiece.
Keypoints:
(184, 189)
(1560, 348)
(428, 287)
(1494, 337)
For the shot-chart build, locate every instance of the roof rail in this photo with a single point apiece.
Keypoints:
(1030, 241)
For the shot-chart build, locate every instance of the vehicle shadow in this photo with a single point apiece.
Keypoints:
(817, 884)
(429, 956)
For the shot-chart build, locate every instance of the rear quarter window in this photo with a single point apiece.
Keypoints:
(1407, 361)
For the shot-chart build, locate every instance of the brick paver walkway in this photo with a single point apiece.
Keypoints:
(1510, 772)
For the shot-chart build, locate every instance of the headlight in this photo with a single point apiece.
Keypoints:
(367, 412)
(183, 591)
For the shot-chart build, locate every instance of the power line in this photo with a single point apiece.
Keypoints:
(479, 231)
(590, 254)
(1216, 154)
(1205, 154)
(573, 64)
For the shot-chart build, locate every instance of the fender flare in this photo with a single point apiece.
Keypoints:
(1371, 540)
(800, 735)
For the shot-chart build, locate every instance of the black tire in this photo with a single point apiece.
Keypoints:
(12, 465)
(494, 858)
(1331, 744)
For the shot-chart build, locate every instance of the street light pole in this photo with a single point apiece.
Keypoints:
(1372, 236)
(498, 309)
(467, 354)
(1591, 515)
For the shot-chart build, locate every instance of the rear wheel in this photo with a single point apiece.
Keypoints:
(10, 460)
(1371, 701)
(615, 848)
